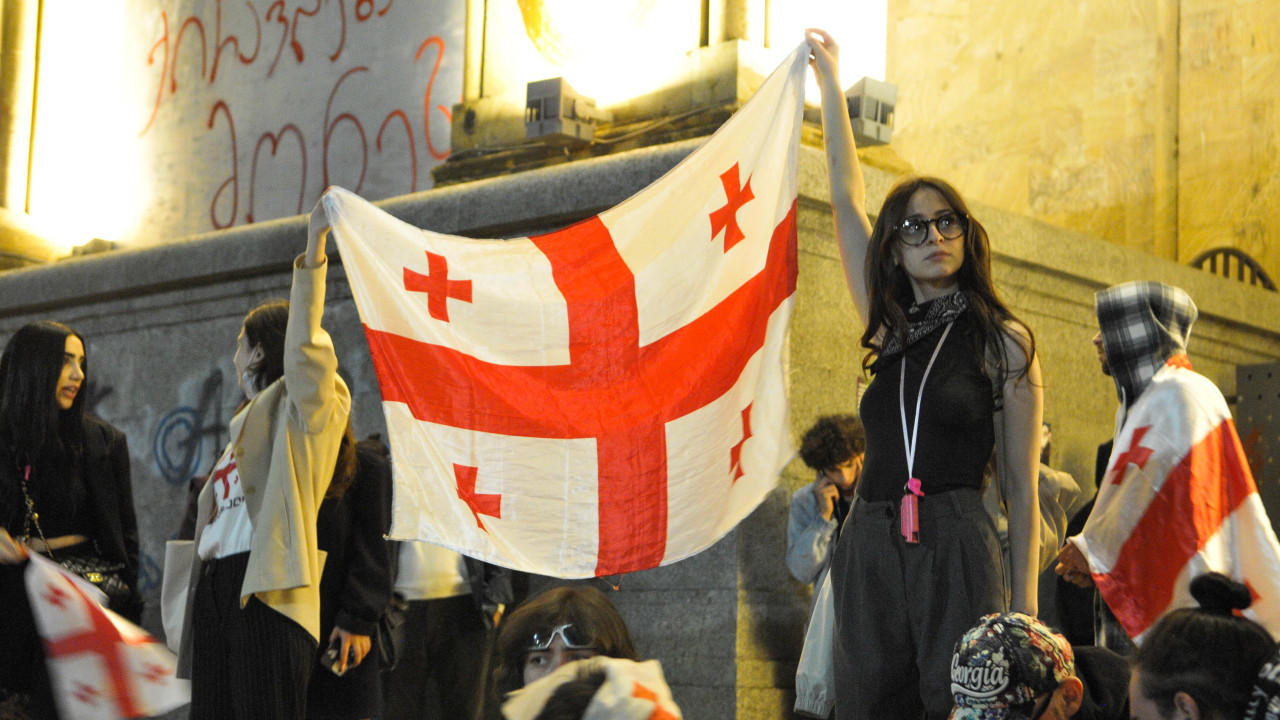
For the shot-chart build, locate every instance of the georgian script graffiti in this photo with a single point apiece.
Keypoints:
(179, 440)
(228, 55)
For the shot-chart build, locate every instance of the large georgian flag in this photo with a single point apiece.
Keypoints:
(1179, 500)
(601, 399)
(101, 666)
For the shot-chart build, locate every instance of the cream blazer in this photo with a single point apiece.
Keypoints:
(286, 444)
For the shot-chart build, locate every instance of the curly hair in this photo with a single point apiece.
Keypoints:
(832, 441)
(1208, 652)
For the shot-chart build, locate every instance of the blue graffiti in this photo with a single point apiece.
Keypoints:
(149, 573)
(178, 444)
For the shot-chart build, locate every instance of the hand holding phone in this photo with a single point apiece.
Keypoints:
(333, 656)
(346, 650)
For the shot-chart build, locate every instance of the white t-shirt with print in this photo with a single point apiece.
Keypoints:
(229, 530)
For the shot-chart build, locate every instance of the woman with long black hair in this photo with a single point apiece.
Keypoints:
(65, 491)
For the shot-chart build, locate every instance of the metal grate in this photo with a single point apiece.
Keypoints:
(1234, 264)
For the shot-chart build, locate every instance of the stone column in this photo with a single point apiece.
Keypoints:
(735, 20)
(19, 20)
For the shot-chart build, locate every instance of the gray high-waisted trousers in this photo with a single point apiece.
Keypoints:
(900, 608)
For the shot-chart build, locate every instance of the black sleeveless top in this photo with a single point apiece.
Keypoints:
(956, 435)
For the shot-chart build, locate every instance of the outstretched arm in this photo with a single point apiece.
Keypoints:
(317, 237)
(848, 191)
(310, 365)
(1023, 408)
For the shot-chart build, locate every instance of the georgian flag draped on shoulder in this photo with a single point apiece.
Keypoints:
(1179, 500)
(601, 399)
(100, 665)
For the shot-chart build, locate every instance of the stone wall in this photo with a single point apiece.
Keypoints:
(1150, 124)
(161, 326)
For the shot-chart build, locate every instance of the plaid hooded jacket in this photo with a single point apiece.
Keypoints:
(1143, 325)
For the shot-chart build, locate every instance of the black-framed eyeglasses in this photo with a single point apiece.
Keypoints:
(573, 637)
(914, 231)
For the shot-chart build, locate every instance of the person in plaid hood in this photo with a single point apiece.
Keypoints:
(1013, 667)
(1142, 325)
(1176, 450)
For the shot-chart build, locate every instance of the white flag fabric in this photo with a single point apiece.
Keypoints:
(1179, 500)
(601, 399)
(101, 666)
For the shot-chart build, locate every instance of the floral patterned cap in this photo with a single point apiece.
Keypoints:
(1001, 666)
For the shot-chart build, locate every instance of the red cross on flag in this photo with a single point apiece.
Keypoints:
(1179, 500)
(100, 665)
(604, 398)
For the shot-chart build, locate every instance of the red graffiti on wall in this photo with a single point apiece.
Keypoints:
(426, 98)
(234, 180)
(223, 42)
(275, 145)
(314, 30)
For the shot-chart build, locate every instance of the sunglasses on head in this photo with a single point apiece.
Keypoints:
(573, 638)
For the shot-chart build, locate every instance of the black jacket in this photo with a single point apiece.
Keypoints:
(105, 470)
(356, 585)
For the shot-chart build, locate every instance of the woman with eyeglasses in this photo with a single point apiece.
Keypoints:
(954, 376)
(561, 625)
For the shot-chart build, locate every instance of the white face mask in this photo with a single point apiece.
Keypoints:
(246, 384)
(244, 359)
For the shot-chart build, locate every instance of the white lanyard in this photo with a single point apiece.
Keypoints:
(909, 439)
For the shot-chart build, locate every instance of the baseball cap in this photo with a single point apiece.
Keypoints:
(1001, 666)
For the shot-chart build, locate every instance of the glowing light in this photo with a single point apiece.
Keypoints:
(84, 180)
(617, 50)
(609, 51)
(858, 26)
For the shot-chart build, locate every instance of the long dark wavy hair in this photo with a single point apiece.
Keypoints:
(31, 421)
(1208, 652)
(265, 327)
(582, 606)
(889, 288)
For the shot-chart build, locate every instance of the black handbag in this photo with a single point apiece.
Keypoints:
(104, 574)
(391, 632)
